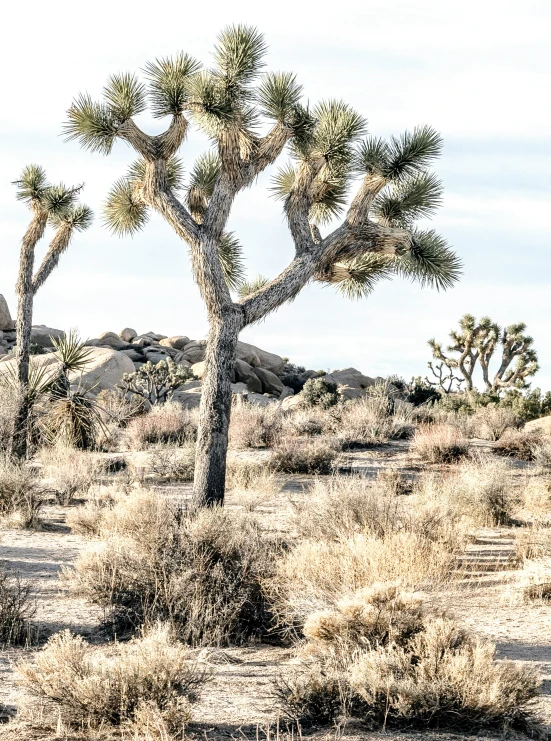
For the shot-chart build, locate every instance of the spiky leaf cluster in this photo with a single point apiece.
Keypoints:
(247, 287)
(168, 88)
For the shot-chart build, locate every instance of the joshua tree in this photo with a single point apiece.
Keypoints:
(251, 118)
(48, 204)
(476, 342)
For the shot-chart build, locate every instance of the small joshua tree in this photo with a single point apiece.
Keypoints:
(48, 204)
(250, 125)
(156, 383)
(476, 342)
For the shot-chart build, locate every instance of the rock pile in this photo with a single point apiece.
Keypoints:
(259, 375)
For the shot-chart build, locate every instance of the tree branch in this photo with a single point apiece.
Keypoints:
(57, 247)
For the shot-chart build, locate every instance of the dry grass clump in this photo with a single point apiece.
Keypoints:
(119, 685)
(520, 444)
(493, 421)
(536, 499)
(165, 424)
(21, 495)
(16, 611)
(309, 455)
(480, 491)
(251, 484)
(439, 443)
(311, 422)
(87, 520)
(374, 420)
(202, 572)
(379, 657)
(68, 472)
(171, 464)
(253, 426)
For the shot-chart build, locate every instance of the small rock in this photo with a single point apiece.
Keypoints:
(134, 355)
(128, 334)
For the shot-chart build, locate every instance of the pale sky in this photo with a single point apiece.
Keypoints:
(477, 71)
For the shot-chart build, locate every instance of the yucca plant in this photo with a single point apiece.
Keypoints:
(57, 206)
(377, 237)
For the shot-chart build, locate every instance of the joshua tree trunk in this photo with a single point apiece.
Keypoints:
(212, 438)
(25, 296)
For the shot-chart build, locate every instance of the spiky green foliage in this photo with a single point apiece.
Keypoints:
(125, 96)
(251, 286)
(201, 183)
(430, 261)
(78, 217)
(338, 127)
(279, 96)
(168, 83)
(412, 152)
(238, 56)
(357, 278)
(91, 124)
(211, 109)
(231, 259)
(407, 200)
(32, 184)
(71, 352)
(371, 157)
(124, 212)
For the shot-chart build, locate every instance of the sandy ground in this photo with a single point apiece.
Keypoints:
(238, 701)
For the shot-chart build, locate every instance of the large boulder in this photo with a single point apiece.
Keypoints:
(541, 425)
(6, 322)
(41, 335)
(259, 358)
(127, 334)
(270, 382)
(199, 369)
(193, 352)
(243, 371)
(351, 378)
(178, 342)
(108, 339)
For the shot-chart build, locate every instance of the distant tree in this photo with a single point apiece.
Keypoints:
(54, 204)
(377, 238)
(475, 343)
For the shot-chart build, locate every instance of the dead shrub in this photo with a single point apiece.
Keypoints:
(16, 611)
(521, 444)
(292, 455)
(69, 472)
(171, 465)
(251, 484)
(21, 495)
(311, 422)
(374, 420)
(493, 421)
(541, 453)
(116, 685)
(253, 426)
(533, 543)
(379, 657)
(166, 424)
(200, 572)
(87, 520)
(536, 499)
(439, 444)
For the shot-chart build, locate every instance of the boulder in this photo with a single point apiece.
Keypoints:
(6, 322)
(178, 342)
(541, 425)
(350, 377)
(156, 357)
(347, 392)
(142, 341)
(189, 394)
(134, 355)
(41, 335)
(256, 357)
(198, 369)
(287, 391)
(243, 371)
(127, 334)
(270, 382)
(108, 339)
(194, 352)
(254, 384)
(292, 402)
(154, 336)
(104, 368)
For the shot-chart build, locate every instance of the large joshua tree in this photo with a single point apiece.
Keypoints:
(251, 117)
(56, 205)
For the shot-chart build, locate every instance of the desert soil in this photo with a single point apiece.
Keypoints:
(238, 702)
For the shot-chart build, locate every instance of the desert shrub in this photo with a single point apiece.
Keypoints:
(16, 611)
(541, 453)
(536, 499)
(374, 420)
(21, 495)
(171, 465)
(253, 426)
(533, 404)
(158, 382)
(251, 484)
(520, 444)
(311, 422)
(439, 444)
(465, 423)
(318, 392)
(417, 392)
(87, 519)
(200, 572)
(316, 574)
(493, 421)
(71, 417)
(317, 455)
(168, 423)
(480, 490)
(69, 472)
(379, 657)
(533, 542)
(119, 407)
(92, 687)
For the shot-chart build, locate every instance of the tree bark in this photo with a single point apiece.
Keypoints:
(212, 437)
(24, 322)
